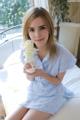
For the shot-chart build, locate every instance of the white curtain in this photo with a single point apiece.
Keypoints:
(42, 3)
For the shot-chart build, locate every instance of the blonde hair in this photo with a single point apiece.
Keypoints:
(32, 14)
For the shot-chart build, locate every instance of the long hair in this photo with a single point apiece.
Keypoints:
(32, 14)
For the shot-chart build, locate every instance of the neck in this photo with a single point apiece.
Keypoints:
(42, 53)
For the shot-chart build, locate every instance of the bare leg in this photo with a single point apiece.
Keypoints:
(36, 115)
(18, 114)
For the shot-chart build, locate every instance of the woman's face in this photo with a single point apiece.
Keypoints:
(38, 32)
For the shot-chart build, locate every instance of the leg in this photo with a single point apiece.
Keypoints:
(18, 114)
(36, 115)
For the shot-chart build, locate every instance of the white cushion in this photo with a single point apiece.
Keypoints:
(71, 111)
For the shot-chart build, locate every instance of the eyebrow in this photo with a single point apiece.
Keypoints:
(40, 26)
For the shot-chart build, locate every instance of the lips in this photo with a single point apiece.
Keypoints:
(39, 40)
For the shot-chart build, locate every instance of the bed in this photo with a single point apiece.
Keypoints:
(14, 83)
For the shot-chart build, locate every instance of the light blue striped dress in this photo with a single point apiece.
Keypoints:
(43, 95)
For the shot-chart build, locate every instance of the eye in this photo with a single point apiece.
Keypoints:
(31, 30)
(43, 27)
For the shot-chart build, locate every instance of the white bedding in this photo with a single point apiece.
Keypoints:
(71, 111)
(13, 91)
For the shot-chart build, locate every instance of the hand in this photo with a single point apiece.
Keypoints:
(36, 73)
(28, 69)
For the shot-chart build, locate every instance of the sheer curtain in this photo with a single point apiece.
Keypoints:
(42, 3)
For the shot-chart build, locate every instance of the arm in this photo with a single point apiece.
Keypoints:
(39, 72)
(54, 79)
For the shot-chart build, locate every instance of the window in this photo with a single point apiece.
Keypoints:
(11, 14)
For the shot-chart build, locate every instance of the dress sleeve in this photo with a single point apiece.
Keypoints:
(66, 61)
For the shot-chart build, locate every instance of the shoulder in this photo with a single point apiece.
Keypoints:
(62, 50)
(60, 47)
(66, 58)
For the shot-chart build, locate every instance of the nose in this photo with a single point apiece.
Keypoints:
(37, 33)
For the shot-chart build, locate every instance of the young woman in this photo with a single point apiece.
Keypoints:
(46, 93)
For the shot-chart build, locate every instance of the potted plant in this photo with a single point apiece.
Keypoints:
(59, 10)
